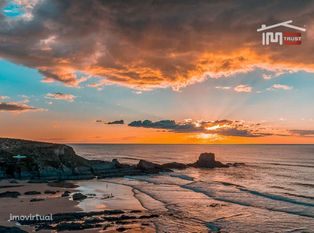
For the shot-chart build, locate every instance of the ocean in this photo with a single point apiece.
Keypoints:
(273, 192)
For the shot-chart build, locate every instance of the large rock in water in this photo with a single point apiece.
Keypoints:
(33, 160)
(207, 160)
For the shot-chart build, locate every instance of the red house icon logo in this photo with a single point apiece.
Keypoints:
(281, 38)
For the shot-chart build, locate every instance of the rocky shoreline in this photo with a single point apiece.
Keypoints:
(25, 166)
(96, 219)
(22, 159)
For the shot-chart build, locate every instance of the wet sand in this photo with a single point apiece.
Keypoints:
(52, 203)
(100, 196)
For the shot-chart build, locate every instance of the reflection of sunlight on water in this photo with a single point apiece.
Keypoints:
(269, 194)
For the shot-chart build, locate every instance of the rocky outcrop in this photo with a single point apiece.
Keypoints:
(78, 197)
(22, 159)
(150, 167)
(175, 165)
(207, 160)
(37, 161)
(111, 220)
(9, 194)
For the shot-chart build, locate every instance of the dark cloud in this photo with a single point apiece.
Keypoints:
(302, 133)
(153, 43)
(117, 122)
(221, 127)
(16, 107)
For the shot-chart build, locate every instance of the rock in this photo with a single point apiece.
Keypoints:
(135, 211)
(66, 194)
(9, 194)
(207, 160)
(150, 167)
(174, 165)
(107, 196)
(149, 216)
(4, 229)
(77, 221)
(10, 186)
(62, 184)
(121, 229)
(14, 182)
(36, 199)
(74, 226)
(91, 195)
(38, 159)
(48, 161)
(32, 193)
(41, 161)
(78, 197)
(50, 192)
(123, 217)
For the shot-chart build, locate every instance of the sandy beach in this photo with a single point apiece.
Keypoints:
(51, 203)
(107, 196)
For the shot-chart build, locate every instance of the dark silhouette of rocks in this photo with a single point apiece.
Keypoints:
(50, 192)
(174, 165)
(41, 161)
(32, 193)
(62, 184)
(22, 159)
(150, 167)
(207, 160)
(9, 194)
(36, 199)
(66, 194)
(75, 221)
(78, 197)
(4, 229)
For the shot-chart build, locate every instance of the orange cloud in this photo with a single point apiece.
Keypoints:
(16, 107)
(144, 46)
(61, 96)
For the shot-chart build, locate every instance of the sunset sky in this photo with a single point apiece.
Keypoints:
(174, 72)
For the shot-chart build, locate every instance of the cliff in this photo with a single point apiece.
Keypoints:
(23, 159)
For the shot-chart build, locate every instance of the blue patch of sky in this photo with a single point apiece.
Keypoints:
(12, 9)
(200, 100)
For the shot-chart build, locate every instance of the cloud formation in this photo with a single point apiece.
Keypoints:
(2, 97)
(243, 88)
(117, 122)
(238, 88)
(16, 107)
(152, 44)
(302, 133)
(219, 127)
(60, 96)
(281, 87)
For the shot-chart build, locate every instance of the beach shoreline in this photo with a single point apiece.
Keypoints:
(42, 199)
